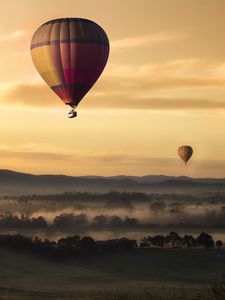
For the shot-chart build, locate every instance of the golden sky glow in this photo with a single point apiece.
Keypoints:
(164, 86)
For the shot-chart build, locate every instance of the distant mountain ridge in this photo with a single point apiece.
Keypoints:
(160, 178)
(17, 183)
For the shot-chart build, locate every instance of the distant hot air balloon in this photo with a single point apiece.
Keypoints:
(185, 152)
(70, 55)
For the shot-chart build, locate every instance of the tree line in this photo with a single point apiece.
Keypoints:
(70, 222)
(76, 247)
(174, 240)
(87, 196)
(69, 248)
(118, 196)
(66, 222)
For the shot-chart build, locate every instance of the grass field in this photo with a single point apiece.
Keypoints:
(187, 266)
(150, 273)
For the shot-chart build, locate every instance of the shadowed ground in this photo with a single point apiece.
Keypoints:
(25, 276)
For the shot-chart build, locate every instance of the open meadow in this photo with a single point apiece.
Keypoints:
(142, 274)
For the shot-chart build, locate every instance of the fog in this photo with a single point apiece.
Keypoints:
(113, 215)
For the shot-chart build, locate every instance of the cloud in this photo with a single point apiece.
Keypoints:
(42, 152)
(48, 153)
(154, 103)
(145, 40)
(112, 85)
(38, 159)
(11, 36)
(42, 158)
(34, 152)
(38, 156)
(39, 96)
(173, 74)
(24, 94)
(154, 86)
(142, 82)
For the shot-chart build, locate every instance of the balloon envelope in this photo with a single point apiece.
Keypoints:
(185, 152)
(70, 55)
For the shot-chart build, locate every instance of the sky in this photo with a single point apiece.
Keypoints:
(163, 86)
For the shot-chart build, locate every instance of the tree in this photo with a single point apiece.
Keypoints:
(158, 241)
(219, 244)
(145, 243)
(188, 241)
(174, 238)
(86, 246)
(68, 242)
(205, 240)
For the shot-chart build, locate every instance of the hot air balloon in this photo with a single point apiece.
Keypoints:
(185, 152)
(70, 55)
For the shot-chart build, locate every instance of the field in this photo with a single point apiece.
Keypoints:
(146, 272)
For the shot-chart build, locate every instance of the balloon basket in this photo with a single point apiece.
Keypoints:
(72, 114)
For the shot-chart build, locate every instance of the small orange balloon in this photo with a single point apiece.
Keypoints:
(185, 152)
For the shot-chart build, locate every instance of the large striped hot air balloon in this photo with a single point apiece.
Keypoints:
(70, 55)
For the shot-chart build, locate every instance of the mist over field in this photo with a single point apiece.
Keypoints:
(113, 214)
(114, 233)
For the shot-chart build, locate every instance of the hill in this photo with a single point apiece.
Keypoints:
(16, 183)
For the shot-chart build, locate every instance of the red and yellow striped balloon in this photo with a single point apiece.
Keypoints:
(70, 55)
